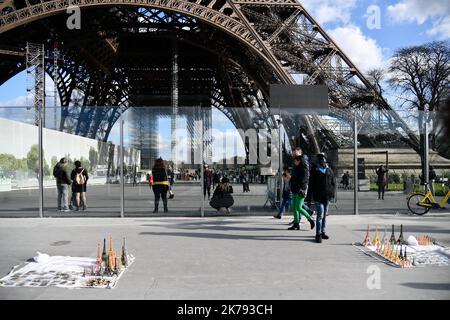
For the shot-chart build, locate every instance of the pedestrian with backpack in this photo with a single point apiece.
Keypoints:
(79, 177)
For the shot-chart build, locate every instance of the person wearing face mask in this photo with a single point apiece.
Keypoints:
(321, 189)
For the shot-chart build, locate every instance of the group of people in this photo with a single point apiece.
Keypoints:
(161, 182)
(77, 179)
(308, 183)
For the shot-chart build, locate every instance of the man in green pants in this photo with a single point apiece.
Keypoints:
(299, 185)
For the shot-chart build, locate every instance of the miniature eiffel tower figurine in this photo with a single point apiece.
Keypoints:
(98, 260)
(401, 253)
(104, 255)
(401, 240)
(111, 257)
(376, 240)
(392, 239)
(366, 241)
(124, 257)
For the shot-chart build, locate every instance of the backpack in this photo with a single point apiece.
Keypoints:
(79, 178)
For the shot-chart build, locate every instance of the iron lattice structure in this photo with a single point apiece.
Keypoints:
(228, 53)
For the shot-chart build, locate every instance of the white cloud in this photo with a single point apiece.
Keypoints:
(419, 11)
(328, 11)
(363, 51)
(441, 28)
(19, 101)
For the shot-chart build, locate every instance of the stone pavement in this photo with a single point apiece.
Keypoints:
(229, 257)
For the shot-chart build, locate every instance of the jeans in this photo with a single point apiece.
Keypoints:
(285, 201)
(63, 196)
(321, 218)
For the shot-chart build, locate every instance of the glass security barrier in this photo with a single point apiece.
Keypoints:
(82, 145)
(19, 183)
(207, 149)
(163, 161)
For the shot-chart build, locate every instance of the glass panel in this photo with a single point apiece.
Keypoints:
(91, 136)
(19, 186)
(154, 132)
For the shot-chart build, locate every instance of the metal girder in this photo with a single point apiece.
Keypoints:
(278, 36)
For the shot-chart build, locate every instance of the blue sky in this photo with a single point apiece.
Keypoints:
(403, 23)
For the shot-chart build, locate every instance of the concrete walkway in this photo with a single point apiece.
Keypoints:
(228, 258)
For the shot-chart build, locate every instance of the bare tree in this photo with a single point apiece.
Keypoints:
(376, 77)
(421, 76)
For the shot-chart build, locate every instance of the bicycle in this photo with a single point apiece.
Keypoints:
(420, 203)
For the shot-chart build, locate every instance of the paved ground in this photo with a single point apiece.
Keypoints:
(228, 258)
(105, 201)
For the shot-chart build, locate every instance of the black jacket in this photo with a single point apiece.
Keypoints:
(300, 176)
(322, 186)
(159, 174)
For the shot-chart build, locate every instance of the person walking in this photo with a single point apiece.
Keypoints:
(346, 180)
(381, 181)
(63, 181)
(160, 184)
(322, 186)
(286, 198)
(79, 177)
(299, 186)
(298, 152)
(207, 182)
(222, 198)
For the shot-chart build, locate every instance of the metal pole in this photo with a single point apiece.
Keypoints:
(202, 171)
(355, 164)
(387, 171)
(122, 180)
(40, 164)
(427, 164)
(280, 150)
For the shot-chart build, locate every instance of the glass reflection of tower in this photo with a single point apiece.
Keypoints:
(144, 134)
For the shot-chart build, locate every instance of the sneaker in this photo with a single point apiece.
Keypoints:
(318, 238)
(324, 236)
(277, 216)
(66, 210)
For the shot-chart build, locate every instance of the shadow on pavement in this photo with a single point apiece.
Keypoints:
(427, 286)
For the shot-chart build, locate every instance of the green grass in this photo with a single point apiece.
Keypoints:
(440, 192)
(392, 187)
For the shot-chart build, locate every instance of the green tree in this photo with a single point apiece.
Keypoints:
(32, 161)
(9, 164)
(85, 163)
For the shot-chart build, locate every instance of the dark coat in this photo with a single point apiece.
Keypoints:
(222, 198)
(159, 175)
(300, 176)
(61, 173)
(322, 186)
(381, 173)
